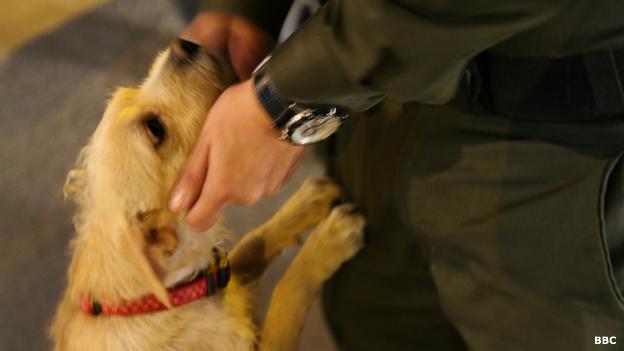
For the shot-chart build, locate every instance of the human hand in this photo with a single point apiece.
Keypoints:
(238, 159)
(230, 36)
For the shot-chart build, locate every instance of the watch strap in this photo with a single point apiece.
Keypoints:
(274, 105)
(300, 124)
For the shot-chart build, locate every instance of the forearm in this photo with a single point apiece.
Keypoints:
(352, 53)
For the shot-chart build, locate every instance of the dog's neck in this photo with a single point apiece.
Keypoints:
(104, 267)
(110, 265)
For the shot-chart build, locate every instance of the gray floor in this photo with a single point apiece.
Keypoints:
(52, 93)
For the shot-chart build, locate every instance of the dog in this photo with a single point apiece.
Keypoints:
(136, 269)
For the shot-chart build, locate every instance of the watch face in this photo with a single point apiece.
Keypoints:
(313, 130)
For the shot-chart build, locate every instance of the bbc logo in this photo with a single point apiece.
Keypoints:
(604, 340)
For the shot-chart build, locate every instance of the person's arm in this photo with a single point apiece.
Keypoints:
(352, 52)
(244, 32)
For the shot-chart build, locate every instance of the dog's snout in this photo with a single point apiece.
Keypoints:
(184, 50)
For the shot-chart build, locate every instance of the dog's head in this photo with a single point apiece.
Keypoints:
(125, 174)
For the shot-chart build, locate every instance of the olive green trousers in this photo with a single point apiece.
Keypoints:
(483, 233)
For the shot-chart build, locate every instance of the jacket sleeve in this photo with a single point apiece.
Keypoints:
(266, 14)
(352, 53)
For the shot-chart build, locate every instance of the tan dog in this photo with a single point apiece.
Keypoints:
(128, 245)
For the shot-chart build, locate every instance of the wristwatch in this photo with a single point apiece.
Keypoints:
(298, 123)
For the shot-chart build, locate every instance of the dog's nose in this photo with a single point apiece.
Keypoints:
(184, 50)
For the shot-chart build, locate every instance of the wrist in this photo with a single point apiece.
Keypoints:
(268, 96)
(262, 120)
(298, 123)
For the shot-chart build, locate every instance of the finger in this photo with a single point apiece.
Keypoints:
(205, 220)
(189, 186)
(208, 207)
(251, 196)
(247, 46)
(242, 59)
(210, 30)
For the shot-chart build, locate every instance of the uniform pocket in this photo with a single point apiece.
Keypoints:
(612, 225)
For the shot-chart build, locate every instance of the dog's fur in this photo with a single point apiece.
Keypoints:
(128, 245)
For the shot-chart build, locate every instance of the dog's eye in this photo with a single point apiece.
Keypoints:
(155, 130)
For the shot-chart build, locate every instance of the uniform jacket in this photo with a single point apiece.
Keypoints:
(353, 53)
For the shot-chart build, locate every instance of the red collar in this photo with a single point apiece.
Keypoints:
(205, 284)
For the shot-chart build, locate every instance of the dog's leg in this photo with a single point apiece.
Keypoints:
(308, 206)
(334, 241)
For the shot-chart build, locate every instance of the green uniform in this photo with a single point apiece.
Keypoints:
(484, 232)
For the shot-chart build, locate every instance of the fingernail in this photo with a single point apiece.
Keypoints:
(177, 199)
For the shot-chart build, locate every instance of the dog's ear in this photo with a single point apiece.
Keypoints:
(154, 240)
(137, 252)
(111, 262)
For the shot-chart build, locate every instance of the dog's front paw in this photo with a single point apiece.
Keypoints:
(310, 204)
(336, 239)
